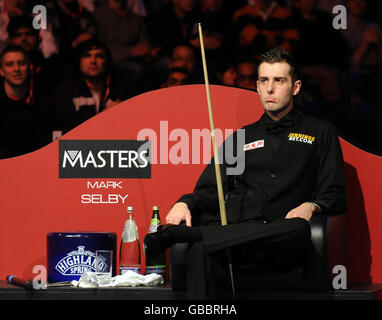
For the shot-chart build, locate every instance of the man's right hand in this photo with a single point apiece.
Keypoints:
(178, 213)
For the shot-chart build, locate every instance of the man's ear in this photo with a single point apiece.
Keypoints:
(296, 87)
(1, 72)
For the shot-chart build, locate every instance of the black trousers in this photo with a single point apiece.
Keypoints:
(277, 245)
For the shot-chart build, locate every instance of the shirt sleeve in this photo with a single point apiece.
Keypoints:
(330, 192)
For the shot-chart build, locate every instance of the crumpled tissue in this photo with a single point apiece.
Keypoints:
(128, 279)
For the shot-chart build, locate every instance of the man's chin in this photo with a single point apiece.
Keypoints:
(17, 83)
(94, 76)
(272, 107)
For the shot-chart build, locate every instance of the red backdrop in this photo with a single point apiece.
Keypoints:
(35, 201)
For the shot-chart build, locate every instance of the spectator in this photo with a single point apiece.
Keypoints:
(246, 75)
(130, 48)
(214, 23)
(174, 23)
(322, 67)
(273, 22)
(365, 41)
(96, 87)
(176, 77)
(8, 9)
(318, 37)
(246, 39)
(13, 8)
(364, 37)
(72, 24)
(24, 116)
(22, 33)
(226, 72)
(182, 56)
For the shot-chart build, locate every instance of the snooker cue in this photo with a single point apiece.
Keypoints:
(223, 215)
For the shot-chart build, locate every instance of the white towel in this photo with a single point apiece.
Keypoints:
(128, 279)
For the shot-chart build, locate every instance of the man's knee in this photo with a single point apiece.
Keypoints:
(300, 228)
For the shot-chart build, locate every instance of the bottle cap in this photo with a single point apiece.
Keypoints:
(155, 208)
(130, 208)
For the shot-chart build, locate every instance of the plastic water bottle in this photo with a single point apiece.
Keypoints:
(130, 251)
(156, 264)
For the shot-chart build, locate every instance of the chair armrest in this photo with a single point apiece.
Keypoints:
(328, 248)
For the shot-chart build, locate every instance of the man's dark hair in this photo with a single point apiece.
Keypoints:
(18, 22)
(93, 43)
(280, 55)
(13, 48)
(182, 44)
(180, 70)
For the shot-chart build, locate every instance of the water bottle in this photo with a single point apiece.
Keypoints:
(156, 264)
(130, 251)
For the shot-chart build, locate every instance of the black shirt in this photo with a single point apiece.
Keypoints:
(24, 126)
(300, 162)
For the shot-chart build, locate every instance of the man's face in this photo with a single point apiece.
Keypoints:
(26, 38)
(93, 63)
(275, 86)
(177, 79)
(15, 69)
(185, 5)
(229, 77)
(246, 75)
(183, 57)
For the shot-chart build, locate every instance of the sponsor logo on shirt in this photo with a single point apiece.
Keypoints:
(254, 145)
(83, 101)
(301, 137)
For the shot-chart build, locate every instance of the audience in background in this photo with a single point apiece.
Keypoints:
(155, 44)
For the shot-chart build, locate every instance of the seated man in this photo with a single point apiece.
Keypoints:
(46, 71)
(96, 88)
(293, 169)
(24, 113)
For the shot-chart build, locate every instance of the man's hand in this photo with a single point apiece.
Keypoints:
(178, 213)
(304, 211)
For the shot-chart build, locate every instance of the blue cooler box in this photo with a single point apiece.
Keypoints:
(70, 254)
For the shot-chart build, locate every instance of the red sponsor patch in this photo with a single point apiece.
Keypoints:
(254, 145)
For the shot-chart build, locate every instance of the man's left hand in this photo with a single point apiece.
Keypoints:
(304, 211)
